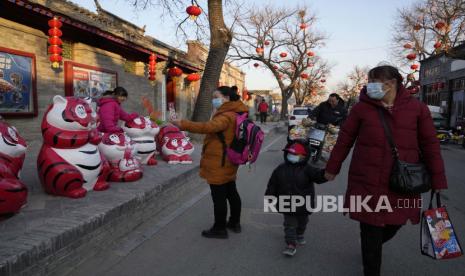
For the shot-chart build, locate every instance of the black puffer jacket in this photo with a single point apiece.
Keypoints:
(325, 114)
(295, 179)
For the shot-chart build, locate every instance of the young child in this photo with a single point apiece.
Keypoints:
(295, 177)
(110, 110)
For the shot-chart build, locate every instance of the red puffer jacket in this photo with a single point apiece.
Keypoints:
(412, 130)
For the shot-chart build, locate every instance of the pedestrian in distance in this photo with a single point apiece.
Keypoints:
(263, 110)
(372, 159)
(218, 171)
(110, 110)
(295, 177)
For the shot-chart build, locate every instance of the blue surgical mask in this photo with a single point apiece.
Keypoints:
(375, 90)
(293, 158)
(217, 102)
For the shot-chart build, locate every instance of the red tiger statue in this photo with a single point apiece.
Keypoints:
(69, 162)
(175, 147)
(13, 193)
(119, 150)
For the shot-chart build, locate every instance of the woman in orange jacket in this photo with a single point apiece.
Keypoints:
(220, 176)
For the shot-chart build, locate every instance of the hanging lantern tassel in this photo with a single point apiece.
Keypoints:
(55, 42)
(152, 66)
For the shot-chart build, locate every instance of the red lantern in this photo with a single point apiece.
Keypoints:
(440, 25)
(175, 72)
(323, 80)
(310, 65)
(411, 56)
(283, 55)
(259, 50)
(414, 66)
(55, 42)
(256, 65)
(408, 46)
(303, 26)
(275, 67)
(152, 66)
(437, 45)
(193, 11)
(193, 77)
(441, 85)
(435, 86)
(267, 43)
(304, 76)
(417, 27)
(310, 54)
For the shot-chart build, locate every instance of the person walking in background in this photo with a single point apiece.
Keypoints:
(372, 160)
(331, 111)
(110, 110)
(220, 176)
(263, 110)
(295, 177)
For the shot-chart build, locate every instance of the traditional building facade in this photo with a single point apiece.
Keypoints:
(100, 51)
(442, 80)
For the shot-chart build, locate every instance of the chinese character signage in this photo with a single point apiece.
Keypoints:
(88, 81)
(17, 83)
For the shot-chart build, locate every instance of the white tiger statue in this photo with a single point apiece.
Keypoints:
(142, 132)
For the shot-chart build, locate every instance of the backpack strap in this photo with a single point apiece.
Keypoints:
(223, 141)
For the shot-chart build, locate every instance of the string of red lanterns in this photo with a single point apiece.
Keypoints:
(152, 66)
(55, 42)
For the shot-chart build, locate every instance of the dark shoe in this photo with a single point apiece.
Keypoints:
(213, 233)
(236, 228)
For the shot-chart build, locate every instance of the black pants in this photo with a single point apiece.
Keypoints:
(220, 195)
(294, 227)
(372, 239)
(263, 116)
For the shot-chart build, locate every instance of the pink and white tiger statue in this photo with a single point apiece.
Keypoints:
(69, 162)
(119, 152)
(142, 132)
(13, 193)
(176, 147)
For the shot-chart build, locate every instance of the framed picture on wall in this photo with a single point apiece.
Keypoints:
(18, 91)
(88, 81)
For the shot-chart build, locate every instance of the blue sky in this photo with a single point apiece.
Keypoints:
(359, 32)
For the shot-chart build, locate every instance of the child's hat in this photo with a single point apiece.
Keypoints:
(296, 149)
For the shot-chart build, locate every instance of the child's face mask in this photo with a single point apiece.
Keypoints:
(294, 158)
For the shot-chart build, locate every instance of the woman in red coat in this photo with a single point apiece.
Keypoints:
(413, 132)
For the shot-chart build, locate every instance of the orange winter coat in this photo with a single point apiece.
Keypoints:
(224, 120)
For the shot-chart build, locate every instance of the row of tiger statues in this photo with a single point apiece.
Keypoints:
(75, 158)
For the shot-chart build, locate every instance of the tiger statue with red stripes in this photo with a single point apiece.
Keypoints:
(13, 193)
(69, 162)
(176, 147)
(119, 150)
(142, 132)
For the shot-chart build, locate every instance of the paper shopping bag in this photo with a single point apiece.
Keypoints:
(438, 238)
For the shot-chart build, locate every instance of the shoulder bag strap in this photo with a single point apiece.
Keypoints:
(387, 131)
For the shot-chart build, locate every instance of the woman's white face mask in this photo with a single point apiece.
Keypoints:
(375, 90)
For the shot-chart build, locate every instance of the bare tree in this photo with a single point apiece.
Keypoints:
(220, 41)
(350, 88)
(428, 27)
(281, 40)
(311, 82)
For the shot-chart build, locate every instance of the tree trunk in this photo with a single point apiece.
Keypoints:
(284, 109)
(220, 40)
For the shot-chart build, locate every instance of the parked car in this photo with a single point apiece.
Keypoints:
(440, 122)
(298, 113)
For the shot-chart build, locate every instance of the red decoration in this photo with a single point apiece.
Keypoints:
(256, 65)
(55, 42)
(283, 55)
(275, 67)
(259, 50)
(267, 43)
(435, 86)
(440, 25)
(310, 54)
(411, 56)
(408, 46)
(152, 66)
(193, 11)
(193, 77)
(304, 76)
(175, 72)
(437, 45)
(323, 80)
(417, 27)
(414, 66)
(441, 85)
(303, 26)
(310, 65)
